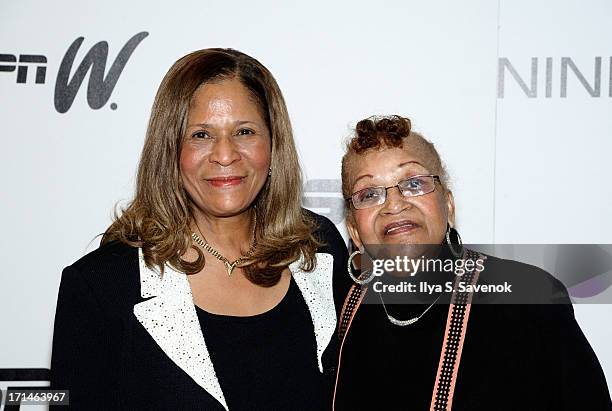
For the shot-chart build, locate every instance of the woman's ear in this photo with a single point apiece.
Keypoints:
(350, 225)
(450, 204)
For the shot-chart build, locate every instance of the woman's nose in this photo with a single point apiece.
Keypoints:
(224, 152)
(396, 202)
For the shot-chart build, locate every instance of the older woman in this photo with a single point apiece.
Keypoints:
(422, 355)
(213, 289)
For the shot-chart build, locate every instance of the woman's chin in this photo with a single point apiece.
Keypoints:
(228, 209)
(405, 238)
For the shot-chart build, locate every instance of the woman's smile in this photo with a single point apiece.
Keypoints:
(400, 227)
(222, 182)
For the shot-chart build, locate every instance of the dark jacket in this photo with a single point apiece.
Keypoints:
(516, 357)
(126, 339)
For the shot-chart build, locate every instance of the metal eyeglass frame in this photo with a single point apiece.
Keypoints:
(434, 176)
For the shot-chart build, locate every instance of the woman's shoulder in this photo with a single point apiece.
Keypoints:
(532, 288)
(502, 268)
(111, 259)
(327, 233)
(321, 222)
(333, 244)
(110, 272)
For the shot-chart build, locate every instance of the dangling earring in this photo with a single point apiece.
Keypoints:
(350, 270)
(451, 231)
(270, 171)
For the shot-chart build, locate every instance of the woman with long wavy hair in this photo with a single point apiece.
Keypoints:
(213, 289)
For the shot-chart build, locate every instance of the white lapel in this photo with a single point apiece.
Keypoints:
(316, 287)
(170, 318)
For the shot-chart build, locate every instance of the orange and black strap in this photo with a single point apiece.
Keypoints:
(454, 337)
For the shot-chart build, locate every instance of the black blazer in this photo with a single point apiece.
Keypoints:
(111, 344)
(516, 357)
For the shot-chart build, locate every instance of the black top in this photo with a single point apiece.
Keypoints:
(108, 360)
(515, 357)
(252, 357)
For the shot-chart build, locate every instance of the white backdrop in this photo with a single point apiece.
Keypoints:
(527, 146)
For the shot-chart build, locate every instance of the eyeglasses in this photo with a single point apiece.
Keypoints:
(412, 187)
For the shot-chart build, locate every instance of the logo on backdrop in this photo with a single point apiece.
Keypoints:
(553, 85)
(25, 60)
(100, 85)
(325, 197)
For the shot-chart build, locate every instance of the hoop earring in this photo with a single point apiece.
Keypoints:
(350, 270)
(456, 253)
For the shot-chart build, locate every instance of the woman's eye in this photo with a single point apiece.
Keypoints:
(200, 134)
(415, 183)
(368, 195)
(245, 132)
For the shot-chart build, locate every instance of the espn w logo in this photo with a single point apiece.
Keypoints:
(100, 86)
(10, 63)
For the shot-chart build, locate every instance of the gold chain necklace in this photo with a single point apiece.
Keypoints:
(228, 265)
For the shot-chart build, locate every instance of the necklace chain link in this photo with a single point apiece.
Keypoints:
(229, 265)
(403, 323)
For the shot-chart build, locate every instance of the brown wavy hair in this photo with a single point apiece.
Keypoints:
(158, 218)
(380, 132)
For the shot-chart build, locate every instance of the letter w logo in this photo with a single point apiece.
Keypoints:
(100, 87)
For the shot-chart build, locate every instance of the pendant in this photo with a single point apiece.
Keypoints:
(230, 267)
(402, 323)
